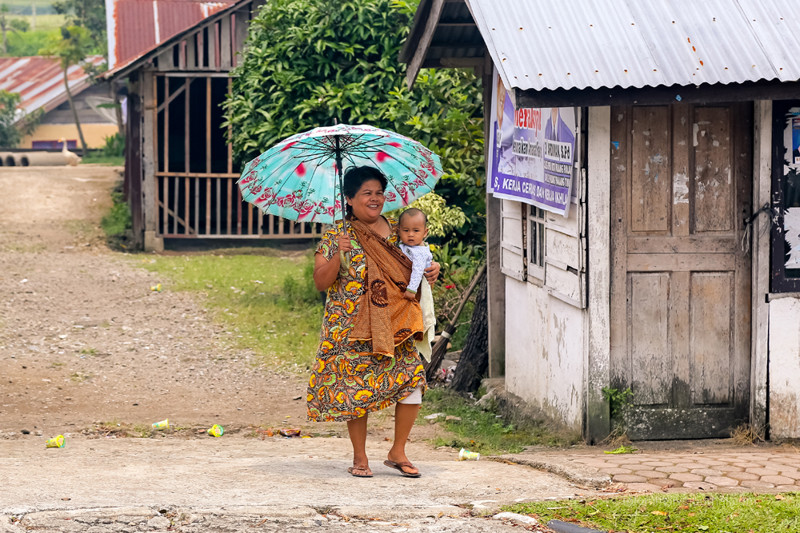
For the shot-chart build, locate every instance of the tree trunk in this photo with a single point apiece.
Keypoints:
(74, 114)
(474, 360)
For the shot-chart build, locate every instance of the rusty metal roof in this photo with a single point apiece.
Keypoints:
(39, 80)
(136, 26)
(545, 45)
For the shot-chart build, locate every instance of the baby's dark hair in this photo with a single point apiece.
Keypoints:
(355, 177)
(413, 211)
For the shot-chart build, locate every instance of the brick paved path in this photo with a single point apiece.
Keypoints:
(764, 468)
(718, 471)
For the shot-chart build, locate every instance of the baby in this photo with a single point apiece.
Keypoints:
(412, 228)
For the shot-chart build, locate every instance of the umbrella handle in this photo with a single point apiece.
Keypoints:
(344, 261)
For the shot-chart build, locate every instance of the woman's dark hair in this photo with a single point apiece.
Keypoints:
(355, 177)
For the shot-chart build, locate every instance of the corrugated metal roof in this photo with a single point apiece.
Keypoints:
(39, 80)
(546, 45)
(136, 26)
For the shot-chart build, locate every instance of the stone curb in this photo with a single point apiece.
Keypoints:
(584, 475)
(45, 518)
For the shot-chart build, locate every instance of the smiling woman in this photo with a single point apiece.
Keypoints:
(367, 359)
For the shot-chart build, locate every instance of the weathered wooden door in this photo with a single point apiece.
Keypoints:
(680, 288)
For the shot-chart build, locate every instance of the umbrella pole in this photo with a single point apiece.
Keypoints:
(345, 258)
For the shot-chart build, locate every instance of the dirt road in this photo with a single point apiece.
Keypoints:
(85, 340)
(87, 350)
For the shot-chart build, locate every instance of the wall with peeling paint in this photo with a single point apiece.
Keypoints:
(545, 352)
(784, 368)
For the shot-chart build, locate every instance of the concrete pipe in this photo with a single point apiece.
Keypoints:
(40, 159)
(8, 160)
(3, 158)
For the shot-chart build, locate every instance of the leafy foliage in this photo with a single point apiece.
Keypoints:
(29, 43)
(114, 145)
(13, 124)
(310, 63)
(88, 14)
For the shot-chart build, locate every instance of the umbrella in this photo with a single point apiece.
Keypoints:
(300, 178)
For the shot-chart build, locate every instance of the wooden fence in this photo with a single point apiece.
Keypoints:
(211, 206)
(196, 192)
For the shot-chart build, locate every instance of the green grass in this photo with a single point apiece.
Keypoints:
(106, 160)
(266, 300)
(690, 513)
(484, 431)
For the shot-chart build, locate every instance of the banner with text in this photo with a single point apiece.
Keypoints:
(532, 152)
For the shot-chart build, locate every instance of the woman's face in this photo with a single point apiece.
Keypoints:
(368, 202)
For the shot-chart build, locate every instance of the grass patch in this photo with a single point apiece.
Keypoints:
(117, 223)
(708, 513)
(269, 302)
(484, 431)
(97, 158)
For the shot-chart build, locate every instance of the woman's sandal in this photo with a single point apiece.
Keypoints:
(399, 466)
(359, 471)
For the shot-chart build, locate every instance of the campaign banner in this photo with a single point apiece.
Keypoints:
(532, 152)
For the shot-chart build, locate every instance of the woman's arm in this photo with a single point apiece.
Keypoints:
(432, 272)
(326, 270)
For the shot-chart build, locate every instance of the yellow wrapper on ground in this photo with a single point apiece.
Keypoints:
(55, 442)
(164, 424)
(216, 430)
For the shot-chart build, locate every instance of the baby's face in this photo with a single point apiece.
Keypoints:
(412, 230)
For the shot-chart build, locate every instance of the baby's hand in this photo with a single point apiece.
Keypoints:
(410, 295)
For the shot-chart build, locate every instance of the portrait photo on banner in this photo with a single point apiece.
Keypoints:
(532, 152)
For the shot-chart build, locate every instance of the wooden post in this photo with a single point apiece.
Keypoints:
(496, 281)
(598, 420)
(186, 157)
(762, 185)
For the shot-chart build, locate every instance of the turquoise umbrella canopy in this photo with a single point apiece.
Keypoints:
(300, 177)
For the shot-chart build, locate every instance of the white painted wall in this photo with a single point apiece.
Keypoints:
(784, 368)
(545, 352)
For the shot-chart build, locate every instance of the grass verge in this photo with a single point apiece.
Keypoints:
(267, 300)
(94, 158)
(485, 431)
(701, 513)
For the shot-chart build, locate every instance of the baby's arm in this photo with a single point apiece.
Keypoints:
(419, 262)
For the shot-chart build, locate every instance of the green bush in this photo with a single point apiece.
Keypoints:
(114, 145)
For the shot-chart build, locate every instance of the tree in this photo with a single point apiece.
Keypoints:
(71, 49)
(89, 14)
(308, 63)
(14, 124)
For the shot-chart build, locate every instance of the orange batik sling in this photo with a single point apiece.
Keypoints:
(386, 317)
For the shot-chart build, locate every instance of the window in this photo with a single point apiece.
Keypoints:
(535, 244)
(785, 263)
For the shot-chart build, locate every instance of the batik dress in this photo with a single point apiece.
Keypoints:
(349, 380)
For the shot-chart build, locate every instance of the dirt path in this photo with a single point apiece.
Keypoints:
(83, 339)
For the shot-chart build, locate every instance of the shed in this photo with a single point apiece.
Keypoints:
(179, 174)
(666, 260)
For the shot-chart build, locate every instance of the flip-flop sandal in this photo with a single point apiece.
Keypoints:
(359, 471)
(399, 466)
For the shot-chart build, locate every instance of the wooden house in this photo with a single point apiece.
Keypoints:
(675, 272)
(180, 176)
(39, 81)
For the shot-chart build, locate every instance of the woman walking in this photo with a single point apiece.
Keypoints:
(367, 360)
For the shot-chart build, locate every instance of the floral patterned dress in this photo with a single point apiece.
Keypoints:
(349, 380)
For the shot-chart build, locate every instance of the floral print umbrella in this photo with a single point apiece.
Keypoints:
(300, 177)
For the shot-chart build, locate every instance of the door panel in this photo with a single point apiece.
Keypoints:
(710, 337)
(649, 337)
(680, 288)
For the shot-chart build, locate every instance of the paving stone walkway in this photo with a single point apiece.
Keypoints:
(721, 468)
